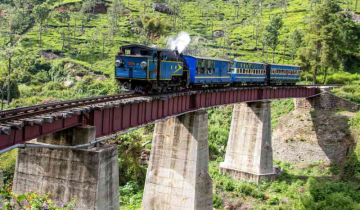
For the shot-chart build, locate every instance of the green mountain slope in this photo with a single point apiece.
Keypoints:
(79, 44)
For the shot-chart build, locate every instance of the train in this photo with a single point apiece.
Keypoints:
(146, 69)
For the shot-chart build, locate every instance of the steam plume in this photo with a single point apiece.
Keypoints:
(179, 42)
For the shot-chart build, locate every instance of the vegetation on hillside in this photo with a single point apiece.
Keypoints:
(63, 42)
(55, 50)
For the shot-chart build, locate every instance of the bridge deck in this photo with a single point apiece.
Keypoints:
(118, 114)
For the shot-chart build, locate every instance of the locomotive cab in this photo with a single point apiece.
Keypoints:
(147, 69)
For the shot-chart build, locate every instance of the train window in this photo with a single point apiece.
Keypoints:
(145, 52)
(198, 63)
(127, 52)
(212, 67)
(202, 69)
(208, 67)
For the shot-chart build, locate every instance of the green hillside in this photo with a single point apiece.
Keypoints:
(81, 38)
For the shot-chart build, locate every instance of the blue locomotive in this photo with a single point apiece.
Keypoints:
(147, 69)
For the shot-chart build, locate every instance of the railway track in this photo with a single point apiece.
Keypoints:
(14, 115)
(30, 111)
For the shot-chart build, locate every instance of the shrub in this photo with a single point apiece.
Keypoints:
(229, 185)
(31, 200)
(7, 164)
(273, 201)
(343, 78)
(217, 201)
(349, 92)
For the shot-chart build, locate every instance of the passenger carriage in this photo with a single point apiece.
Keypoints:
(284, 74)
(208, 71)
(248, 72)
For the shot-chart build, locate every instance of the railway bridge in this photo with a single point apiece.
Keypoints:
(61, 151)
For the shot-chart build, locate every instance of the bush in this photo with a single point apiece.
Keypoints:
(31, 200)
(273, 201)
(217, 201)
(7, 164)
(26, 91)
(349, 92)
(343, 78)
(229, 185)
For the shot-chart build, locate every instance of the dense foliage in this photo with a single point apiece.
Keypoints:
(54, 50)
(31, 200)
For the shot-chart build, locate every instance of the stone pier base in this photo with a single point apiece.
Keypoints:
(90, 175)
(249, 154)
(178, 174)
(250, 177)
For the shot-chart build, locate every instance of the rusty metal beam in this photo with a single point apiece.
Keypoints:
(110, 118)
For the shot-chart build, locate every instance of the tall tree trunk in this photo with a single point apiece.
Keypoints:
(314, 76)
(2, 99)
(273, 55)
(356, 3)
(63, 41)
(92, 53)
(325, 74)
(212, 29)
(74, 31)
(9, 85)
(256, 37)
(103, 48)
(238, 10)
(224, 46)
(40, 35)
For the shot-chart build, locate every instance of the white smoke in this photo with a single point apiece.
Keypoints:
(179, 42)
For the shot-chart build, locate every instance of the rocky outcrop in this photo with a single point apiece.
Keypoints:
(163, 8)
(219, 33)
(305, 136)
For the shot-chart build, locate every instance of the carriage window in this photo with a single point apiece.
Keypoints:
(202, 69)
(212, 67)
(127, 52)
(145, 52)
(209, 69)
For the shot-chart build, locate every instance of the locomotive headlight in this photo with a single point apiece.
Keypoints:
(118, 63)
(143, 64)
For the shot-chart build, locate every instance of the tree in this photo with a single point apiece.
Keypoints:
(246, 2)
(295, 40)
(86, 6)
(283, 3)
(75, 17)
(272, 32)
(41, 13)
(63, 17)
(113, 15)
(153, 26)
(92, 40)
(330, 39)
(7, 54)
(14, 23)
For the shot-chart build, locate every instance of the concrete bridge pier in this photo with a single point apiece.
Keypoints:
(91, 174)
(249, 154)
(178, 173)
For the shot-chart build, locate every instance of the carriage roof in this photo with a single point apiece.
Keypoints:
(213, 59)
